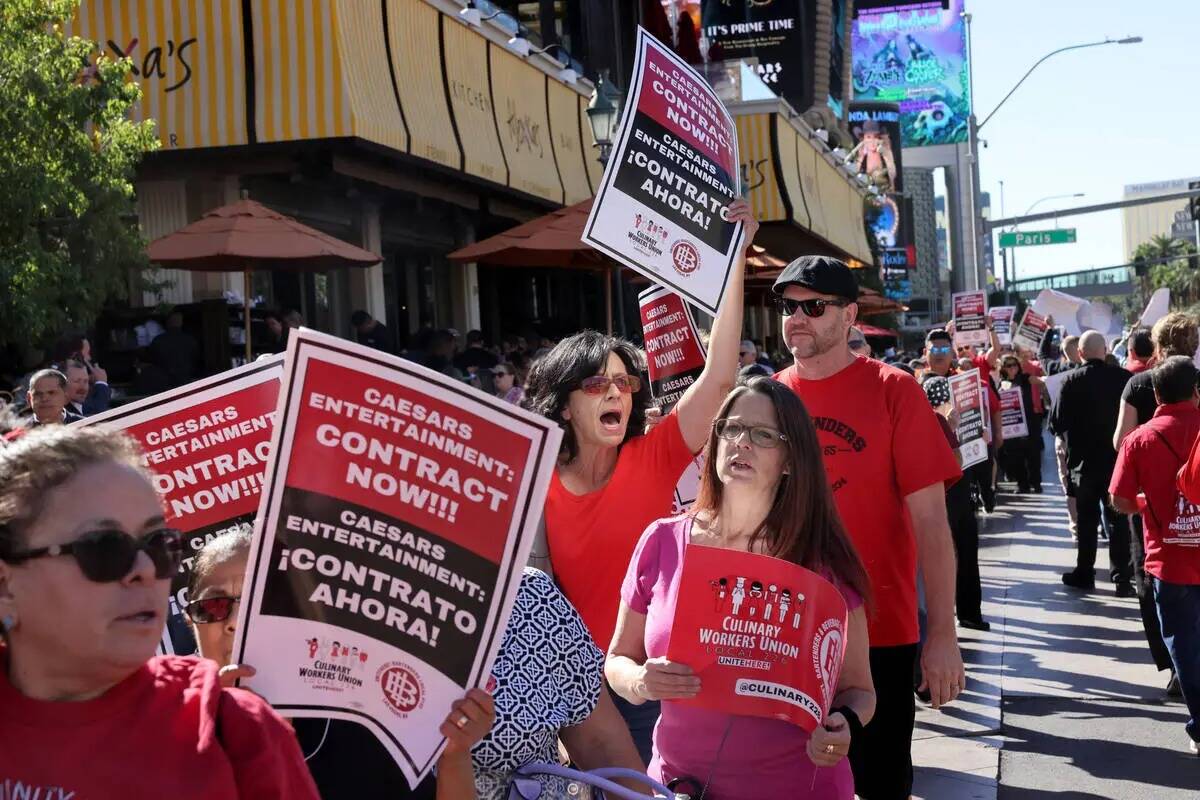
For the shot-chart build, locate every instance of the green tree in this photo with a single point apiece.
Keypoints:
(1169, 266)
(68, 236)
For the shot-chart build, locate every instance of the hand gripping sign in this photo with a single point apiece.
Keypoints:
(661, 207)
(674, 358)
(966, 393)
(397, 517)
(207, 444)
(970, 318)
(766, 637)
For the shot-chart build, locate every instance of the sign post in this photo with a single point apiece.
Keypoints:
(661, 207)
(397, 517)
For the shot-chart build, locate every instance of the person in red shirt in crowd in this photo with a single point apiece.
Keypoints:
(1141, 351)
(1147, 464)
(613, 479)
(86, 709)
(889, 465)
(939, 350)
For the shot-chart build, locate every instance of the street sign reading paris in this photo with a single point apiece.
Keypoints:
(1027, 238)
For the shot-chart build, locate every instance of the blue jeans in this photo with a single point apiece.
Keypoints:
(1179, 613)
(641, 721)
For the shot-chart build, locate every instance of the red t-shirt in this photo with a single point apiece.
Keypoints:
(882, 442)
(168, 730)
(1147, 465)
(592, 536)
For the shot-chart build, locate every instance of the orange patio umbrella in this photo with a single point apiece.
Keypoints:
(247, 236)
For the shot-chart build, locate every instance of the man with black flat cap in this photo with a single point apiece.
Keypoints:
(888, 463)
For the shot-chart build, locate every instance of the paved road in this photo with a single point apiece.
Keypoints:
(1063, 701)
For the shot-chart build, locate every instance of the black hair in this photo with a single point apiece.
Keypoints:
(1174, 379)
(938, 333)
(475, 337)
(560, 371)
(1141, 344)
(359, 317)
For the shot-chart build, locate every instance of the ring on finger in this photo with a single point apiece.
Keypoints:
(462, 721)
(829, 749)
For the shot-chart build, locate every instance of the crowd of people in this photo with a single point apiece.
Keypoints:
(839, 462)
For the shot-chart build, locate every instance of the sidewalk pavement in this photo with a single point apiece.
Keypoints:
(1062, 698)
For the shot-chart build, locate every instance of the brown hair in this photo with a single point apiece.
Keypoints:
(803, 525)
(1176, 335)
(44, 459)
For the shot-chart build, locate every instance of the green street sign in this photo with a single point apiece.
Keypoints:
(1028, 238)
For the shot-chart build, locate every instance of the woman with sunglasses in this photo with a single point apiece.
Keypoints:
(1021, 457)
(86, 709)
(613, 477)
(508, 385)
(763, 490)
(544, 645)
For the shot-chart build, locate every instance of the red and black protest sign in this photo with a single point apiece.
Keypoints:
(966, 393)
(207, 444)
(970, 318)
(661, 207)
(765, 636)
(1013, 421)
(1031, 330)
(1002, 322)
(398, 516)
(674, 354)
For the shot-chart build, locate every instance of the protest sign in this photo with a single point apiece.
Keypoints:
(674, 359)
(1013, 422)
(397, 517)
(970, 319)
(765, 636)
(966, 393)
(1065, 308)
(1002, 322)
(1031, 330)
(661, 207)
(207, 444)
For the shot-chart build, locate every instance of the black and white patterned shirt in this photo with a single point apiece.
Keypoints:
(548, 676)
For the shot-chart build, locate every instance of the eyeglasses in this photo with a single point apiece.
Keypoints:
(812, 308)
(940, 350)
(598, 384)
(108, 555)
(760, 435)
(211, 609)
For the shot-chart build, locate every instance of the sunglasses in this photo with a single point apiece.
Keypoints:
(812, 308)
(598, 384)
(940, 350)
(760, 435)
(210, 609)
(109, 555)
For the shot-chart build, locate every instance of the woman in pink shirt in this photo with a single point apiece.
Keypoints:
(764, 490)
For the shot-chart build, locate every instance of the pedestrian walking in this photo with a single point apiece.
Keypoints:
(86, 708)
(1150, 459)
(1021, 457)
(888, 463)
(763, 490)
(1085, 416)
(1176, 334)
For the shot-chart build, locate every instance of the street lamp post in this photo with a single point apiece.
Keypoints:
(974, 127)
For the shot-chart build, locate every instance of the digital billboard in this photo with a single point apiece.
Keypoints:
(914, 54)
(877, 153)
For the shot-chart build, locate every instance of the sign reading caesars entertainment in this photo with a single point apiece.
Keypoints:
(966, 393)
(397, 517)
(661, 207)
(674, 359)
(207, 445)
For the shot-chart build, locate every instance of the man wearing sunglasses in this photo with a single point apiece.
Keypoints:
(888, 463)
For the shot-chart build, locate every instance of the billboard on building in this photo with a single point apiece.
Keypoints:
(772, 36)
(914, 54)
(876, 153)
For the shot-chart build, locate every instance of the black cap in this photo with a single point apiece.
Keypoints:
(821, 274)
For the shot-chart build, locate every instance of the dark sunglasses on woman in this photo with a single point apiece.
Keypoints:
(598, 384)
(210, 609)
(108, 555)
(814, 307)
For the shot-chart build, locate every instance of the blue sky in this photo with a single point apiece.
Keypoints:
(1087, 120)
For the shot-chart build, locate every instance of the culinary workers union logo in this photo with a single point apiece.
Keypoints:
(402, 688)
(685, 257)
